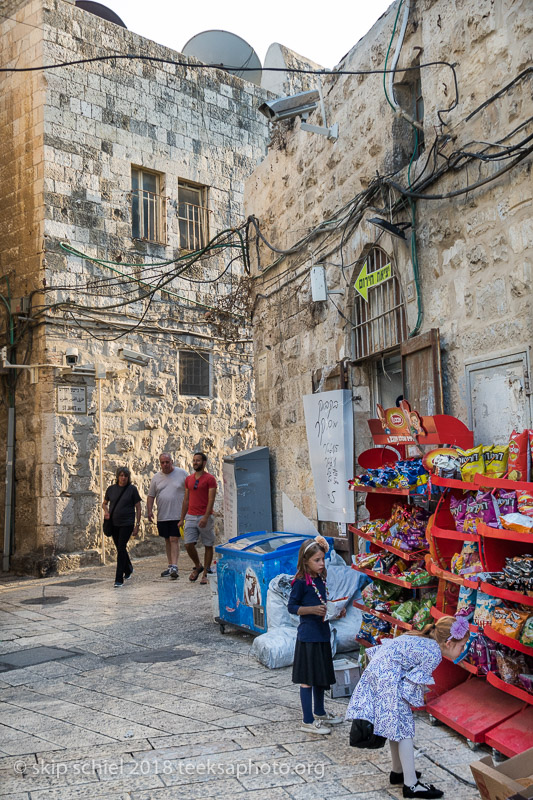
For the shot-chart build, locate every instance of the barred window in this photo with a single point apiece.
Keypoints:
(194, 373)
(379, 322)
(148, 206)
(192, 216)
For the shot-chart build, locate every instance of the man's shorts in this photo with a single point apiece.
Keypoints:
(168, 527)
(193, 532)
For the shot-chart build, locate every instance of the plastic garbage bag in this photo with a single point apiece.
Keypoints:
(275, 648)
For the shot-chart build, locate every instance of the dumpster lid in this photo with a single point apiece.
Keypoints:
(253, 454)
(263, 541)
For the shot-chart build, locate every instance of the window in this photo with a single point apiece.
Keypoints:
(379, 321)
(194, 373)
(148, 206)
(192, 216)
(408, 142)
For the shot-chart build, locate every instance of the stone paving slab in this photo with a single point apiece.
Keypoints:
(155, 700)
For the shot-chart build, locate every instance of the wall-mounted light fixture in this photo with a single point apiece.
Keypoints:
(395, 230)
(132, 357)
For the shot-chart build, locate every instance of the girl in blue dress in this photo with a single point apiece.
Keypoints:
(313, 662)
(396, 678)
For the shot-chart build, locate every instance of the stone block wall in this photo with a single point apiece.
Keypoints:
(97, 121)
(474, 250)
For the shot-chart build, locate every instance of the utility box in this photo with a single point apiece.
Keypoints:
(347, 674)
(247, 499)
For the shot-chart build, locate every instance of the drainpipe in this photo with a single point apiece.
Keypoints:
(9, 504)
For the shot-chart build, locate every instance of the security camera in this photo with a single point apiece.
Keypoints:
(133, 357)
(297, 105)
(71, 356)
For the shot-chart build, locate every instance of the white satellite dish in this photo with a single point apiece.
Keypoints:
(227, 51)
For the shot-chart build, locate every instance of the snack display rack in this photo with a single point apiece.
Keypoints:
(485, 709)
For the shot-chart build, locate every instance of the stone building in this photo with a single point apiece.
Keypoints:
(449, 326)
(136, 165)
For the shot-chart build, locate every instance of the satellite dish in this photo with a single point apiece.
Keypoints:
(228, 51)
(100, 11)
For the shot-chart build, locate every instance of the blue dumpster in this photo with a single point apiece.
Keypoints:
(245, 566)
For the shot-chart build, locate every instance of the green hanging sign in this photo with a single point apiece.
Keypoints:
(369, 280)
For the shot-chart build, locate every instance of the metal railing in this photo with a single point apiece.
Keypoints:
(149, 216)
(193, 223)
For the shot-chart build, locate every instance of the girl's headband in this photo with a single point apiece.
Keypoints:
(320, 541)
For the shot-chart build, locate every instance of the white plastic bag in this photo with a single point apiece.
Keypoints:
(275, 648)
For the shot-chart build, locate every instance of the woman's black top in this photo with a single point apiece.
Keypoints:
(312, 628)
(124, 514)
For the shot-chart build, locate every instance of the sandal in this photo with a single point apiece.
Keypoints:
(204, 579)
(197, 571)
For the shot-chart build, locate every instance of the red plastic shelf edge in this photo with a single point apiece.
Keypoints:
(505, 536)
(379, 490)
(515, 691)
(445, 533)
(508, 641)
(378, 576)
(501, 483)
(468, 667)
(452, 483)
(506, 594)
(398, 623)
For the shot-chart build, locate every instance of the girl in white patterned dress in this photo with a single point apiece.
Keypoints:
(396, 678)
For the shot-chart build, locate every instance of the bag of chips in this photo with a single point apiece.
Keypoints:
(481, 508)
(508, 621)
(518, 463)
(485, 605)
(406, 611)
(422, 616)
(458, 509)
(466, 603)
(526, 637)
(525, 503)
(507, 502)
(471, 462)
(517, 522)
(495, 459)
(510, 666)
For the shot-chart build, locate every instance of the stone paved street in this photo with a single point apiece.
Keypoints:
(151, 703)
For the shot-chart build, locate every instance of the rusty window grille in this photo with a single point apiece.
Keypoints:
(193, 217)
(194, 373)
(380, 323)
(148, 207)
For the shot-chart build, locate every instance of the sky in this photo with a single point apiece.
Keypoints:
(308, 28)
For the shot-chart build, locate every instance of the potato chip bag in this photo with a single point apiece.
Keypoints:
(508, 621)
(495, 459)
(481, 508)
(525, 503)
(526, 637)
(485, 605)
(471, 462)
(518, 456)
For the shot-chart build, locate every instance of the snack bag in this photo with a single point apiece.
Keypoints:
(466, 603)
(525, 503)
(517, 522)
(471, 462)
(507, 502)
(458, 509)
(485, 605)
(510, 667)
(508, 621)
(526, 681)
(406, 611)
(495, 459)
(422, 616)
(482, 508)
(526, 637)
(518, 456)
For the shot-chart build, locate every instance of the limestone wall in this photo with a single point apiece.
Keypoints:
(96, 121)
(474, 250)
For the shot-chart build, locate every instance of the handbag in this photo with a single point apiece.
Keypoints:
(363, 737)
(107, 527)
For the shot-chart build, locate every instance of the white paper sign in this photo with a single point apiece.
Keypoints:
(329, 424)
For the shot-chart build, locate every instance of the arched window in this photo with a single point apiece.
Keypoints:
(379, 320)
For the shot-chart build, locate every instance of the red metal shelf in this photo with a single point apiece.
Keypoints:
(445, 574)
(506, 594)
(379, 576)
(513, 736)
(452, 483)
(465, 665)
(379, 490)
(473, 708)
(508, 641)
(406, 555)
(398, 623)
(515, 691)
(446, 533)
(505, 536)
(501, 483)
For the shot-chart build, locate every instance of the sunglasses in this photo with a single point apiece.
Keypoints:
(196, 482)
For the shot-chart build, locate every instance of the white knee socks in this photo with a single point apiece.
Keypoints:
(406, 753)
(395, 756)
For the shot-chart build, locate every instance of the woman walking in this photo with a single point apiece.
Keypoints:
(122, 507)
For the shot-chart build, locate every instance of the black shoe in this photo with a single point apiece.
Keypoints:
(397, 777)
(165, 573)
(422, 790)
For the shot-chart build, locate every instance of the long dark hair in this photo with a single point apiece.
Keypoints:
(308, 549)
(123, 471)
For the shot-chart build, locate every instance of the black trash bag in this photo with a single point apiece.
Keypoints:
(362, 735)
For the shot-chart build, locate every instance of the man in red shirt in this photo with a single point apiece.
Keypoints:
(196, 513)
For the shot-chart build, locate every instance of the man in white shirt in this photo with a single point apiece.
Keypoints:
(167, 488)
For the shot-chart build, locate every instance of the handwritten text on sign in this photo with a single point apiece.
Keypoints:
(329, 425)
